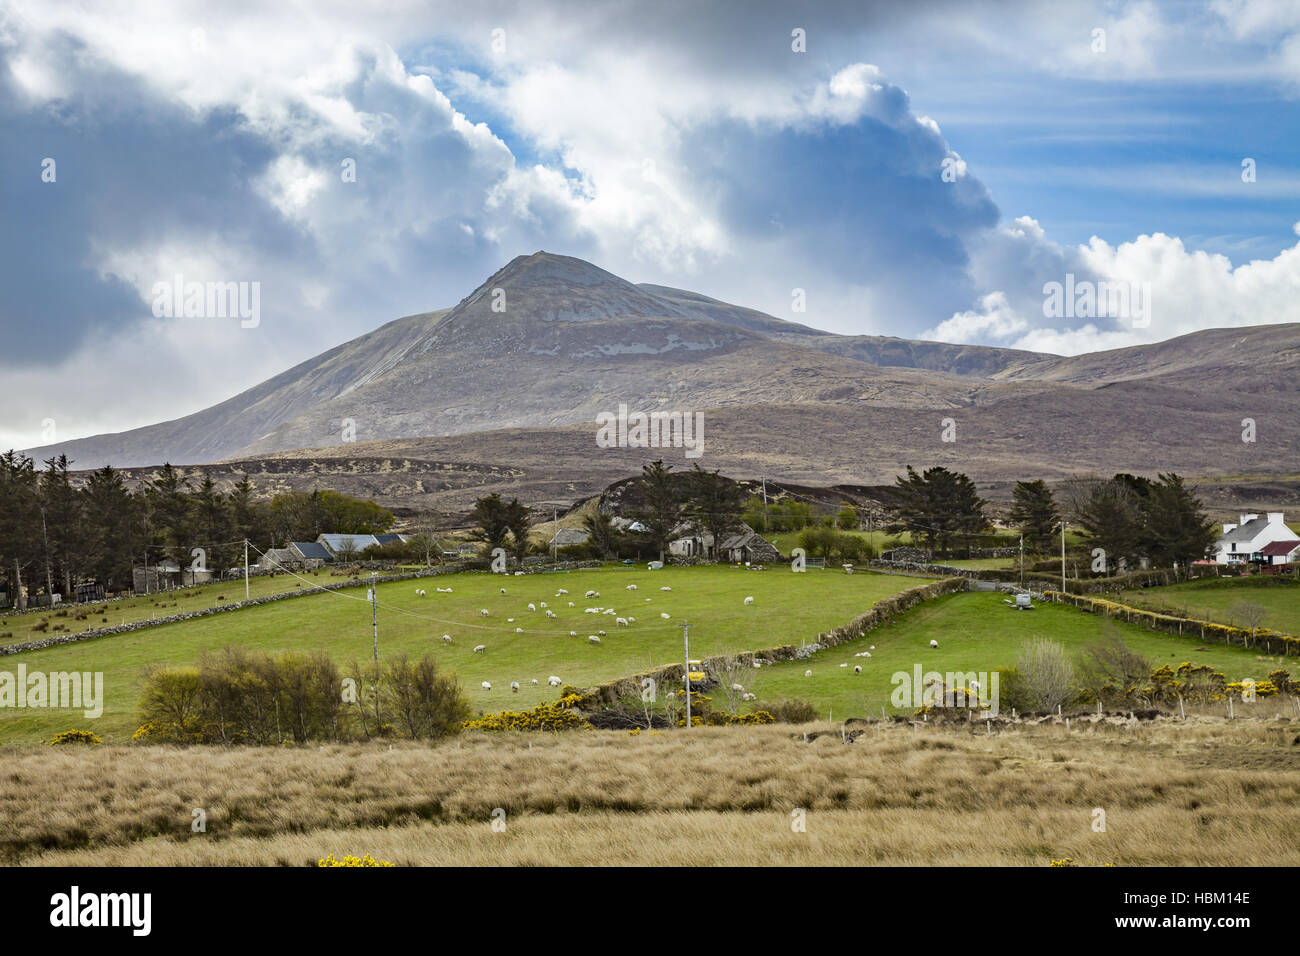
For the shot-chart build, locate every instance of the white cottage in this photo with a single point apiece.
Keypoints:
(1246, 541)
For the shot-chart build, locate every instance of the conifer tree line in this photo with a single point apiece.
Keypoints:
(57, 531)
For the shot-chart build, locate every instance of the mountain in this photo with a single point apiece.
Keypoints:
(503, 391)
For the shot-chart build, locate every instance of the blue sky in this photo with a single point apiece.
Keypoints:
(675, 143)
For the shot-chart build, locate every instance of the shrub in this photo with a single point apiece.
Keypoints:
(553, 716)
(792, 711)
(366, 860)
(1045, 675)
(76, 737)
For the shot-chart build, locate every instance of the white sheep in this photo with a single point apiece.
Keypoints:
(664, 615)
(554, 681)
(737, 687)
(593, 639)
(519, 630)
(748, 601)
(844, 665)
(631, 587)
(601, 633)
(514, 687)
(487, 685)
(503, 590)
(541, 604)
(533, 682)
(807, 673)
(631, 619)
(531, 606)
(510, 620)
(552, 614)
(749, 697)
(591, 594)
(484, 611)
(609, 610)
(934, 643)
(665, 588)
(480, 648)
(446, 638)
(571, 604)
(443, 590)
(561, 592)
(620, 622)
(573, 634)
(857, 669)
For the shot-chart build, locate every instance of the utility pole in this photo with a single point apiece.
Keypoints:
(374, 613)
(686, 640)
(555, 537)
(246, 595)
(764, 491)
(1062, 555)
(1022, 561)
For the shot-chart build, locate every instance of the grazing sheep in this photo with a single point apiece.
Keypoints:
(503, 590)
(519, 630)
(591, 610)
(647, 600)
(552, 614)
(480, 648)
(532, 607)
(510, 620)
(665, 588)
(857, 669)
(514, 687)
(561, 591)
(573, 634)
(487, 685)
(620, 622)
(807, 673)
(571, 604)
(844, 665)
(749, 601)
(631, 620)
(601, 633)
(541, 604)
(593, 639)
(749, 697)
(934, 643)
(664, 615)
(446, 638)
(484, 611)
(872, 647)
(591, 594)
(443, 590)
(737, 687)
(554, 681)
(533, 682)
(631, 587)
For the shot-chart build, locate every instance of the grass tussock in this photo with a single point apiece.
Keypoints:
(1204, 792)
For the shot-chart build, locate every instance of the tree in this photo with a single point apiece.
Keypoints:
(604, 536)
(938, 505)
(20, 534)
(1176, 530)
(61, 525)
(1033, 511)
(662, 509)
(516, 517)
(1045, 677)
(114, 528)
(1109, 668)
(1110, 512)
(846, 519)
(715, 504)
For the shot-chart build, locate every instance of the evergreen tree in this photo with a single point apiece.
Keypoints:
(1033, 511)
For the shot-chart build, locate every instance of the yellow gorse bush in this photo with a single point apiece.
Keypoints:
(366, 860)
(554, 716)
(76, 737)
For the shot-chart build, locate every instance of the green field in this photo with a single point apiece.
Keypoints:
(1213, 600)
(976, 632)
(20, 627)
(788, 608)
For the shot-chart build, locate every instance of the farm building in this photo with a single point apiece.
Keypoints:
(743, 545)
(346, 545)
(569, 536)
(1245, 542)
(748, 547)
(311, 554)
(1280, 552)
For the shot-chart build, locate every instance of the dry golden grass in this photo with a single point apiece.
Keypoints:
(1204, 792)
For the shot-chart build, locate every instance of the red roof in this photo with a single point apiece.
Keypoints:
(1282, 548)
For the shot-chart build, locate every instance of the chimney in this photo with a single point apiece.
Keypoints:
(1246, 518)
(1229, 528)
(1275, 517)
